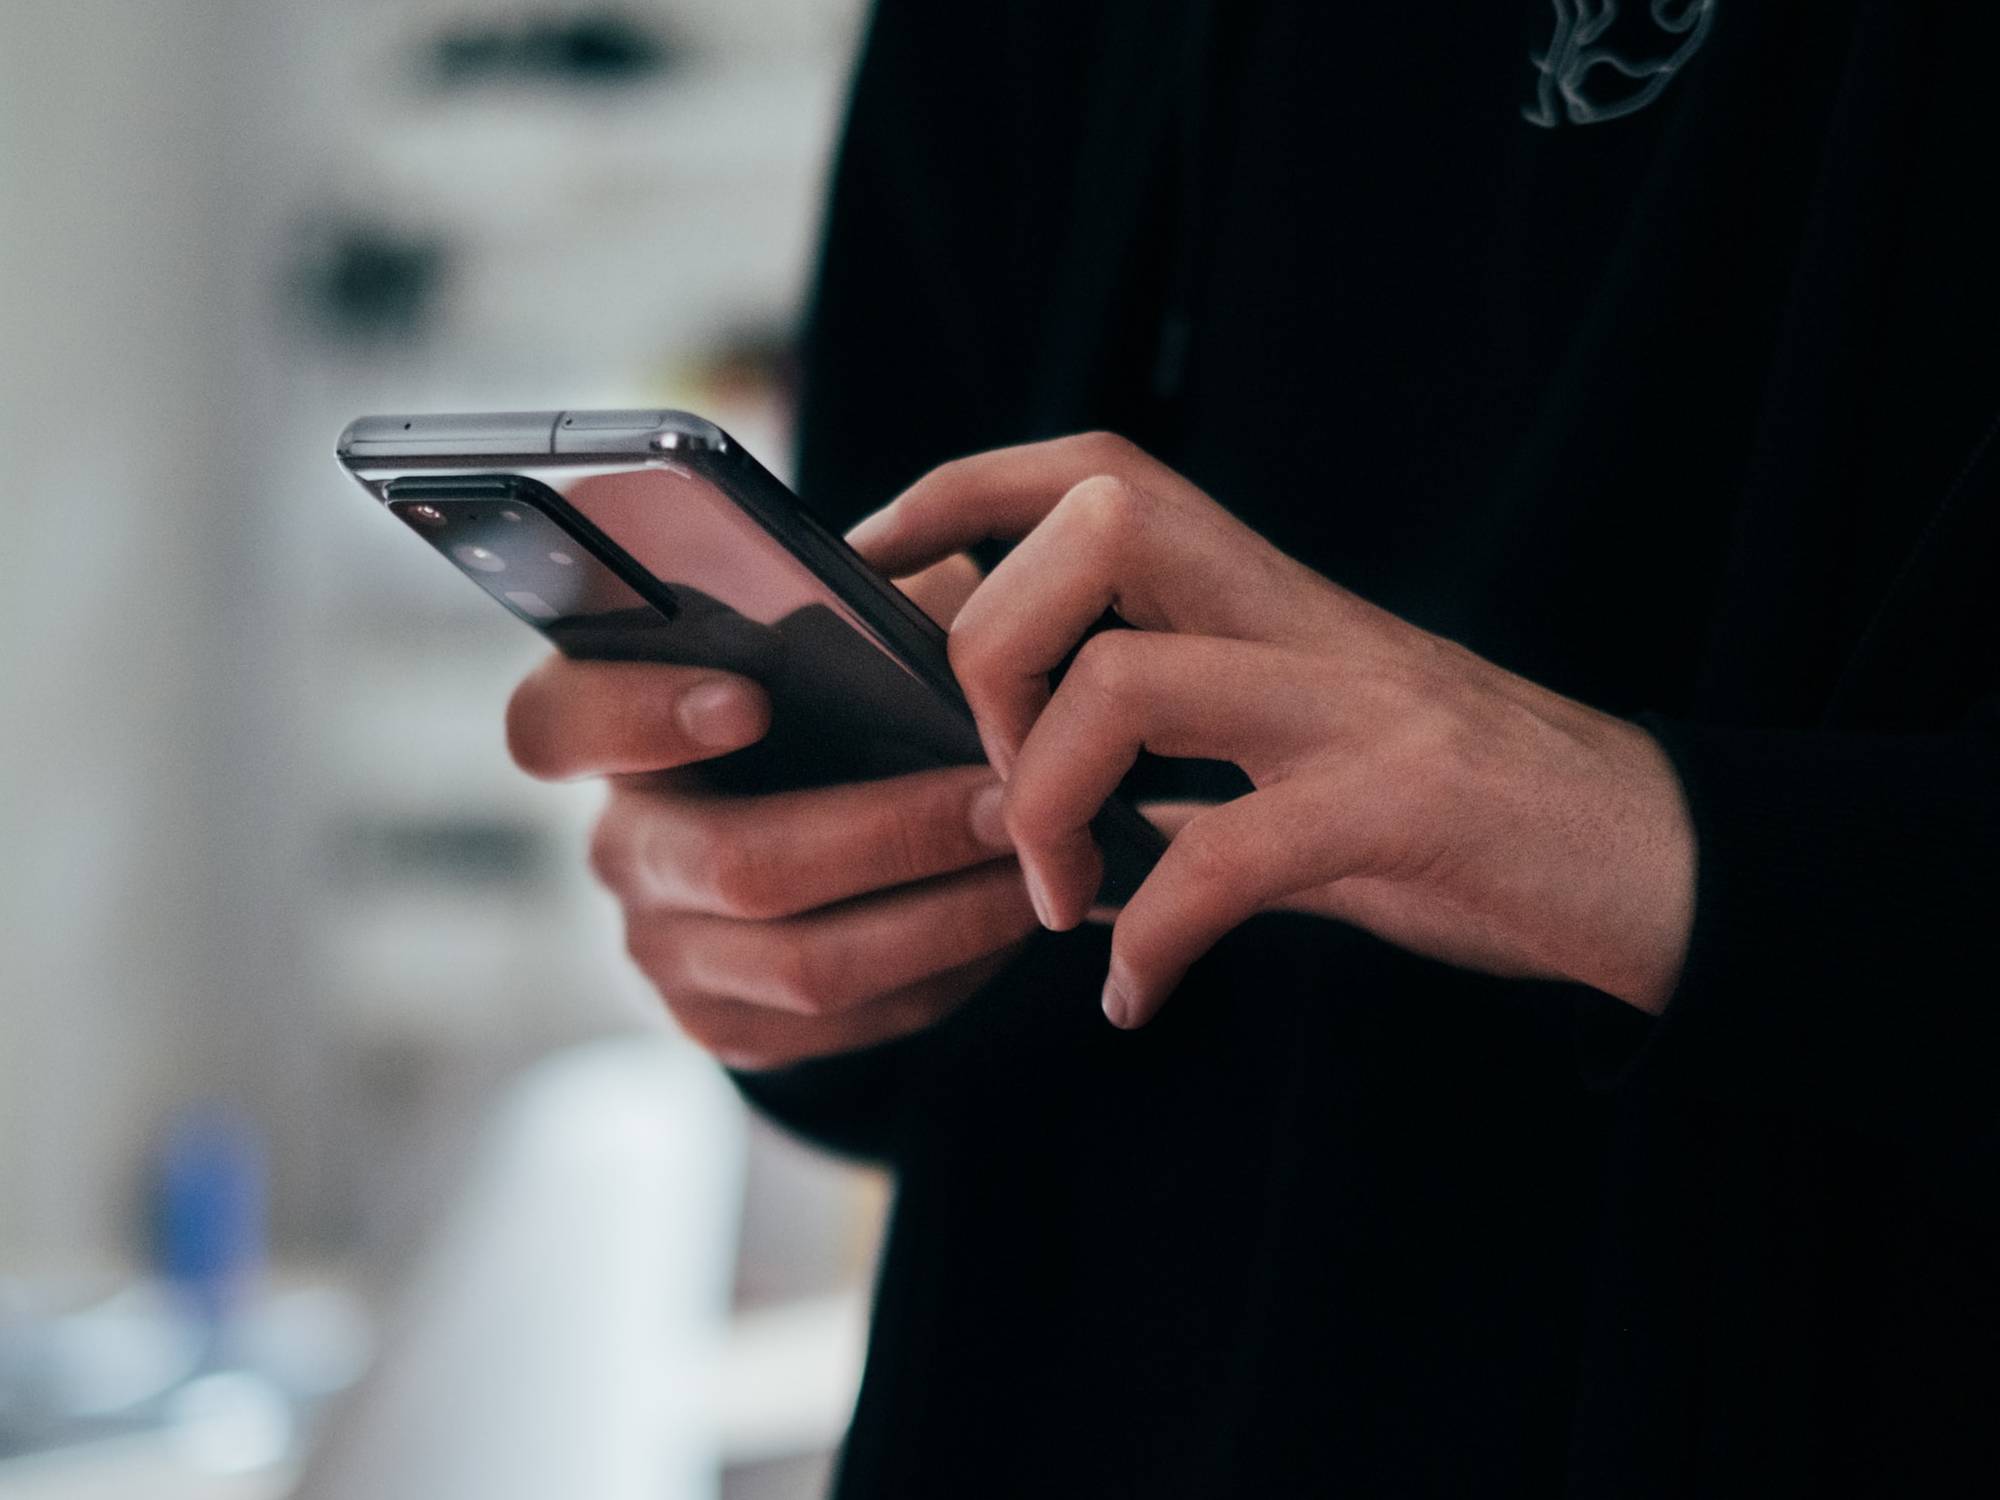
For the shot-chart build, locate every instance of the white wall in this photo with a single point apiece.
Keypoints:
(191, 702)
(116, 304)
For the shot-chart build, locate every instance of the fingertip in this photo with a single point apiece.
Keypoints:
(987, 818)
(871, 534)
(1060, 903)
(901, 539)
(724, 713)
(1038, 897)
(1070, 874)
(531, 726)
(1121, 999)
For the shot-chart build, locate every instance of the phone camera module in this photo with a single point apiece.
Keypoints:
(425, 515)
(483, 558)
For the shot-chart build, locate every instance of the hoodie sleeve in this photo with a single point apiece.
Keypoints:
(864, 1104)
(1841, 960)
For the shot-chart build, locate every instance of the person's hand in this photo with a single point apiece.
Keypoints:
(1402, 783)
(787, 926)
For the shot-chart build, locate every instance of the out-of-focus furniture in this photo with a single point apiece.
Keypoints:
(569, 1330)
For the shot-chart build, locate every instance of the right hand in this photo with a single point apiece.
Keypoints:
(795, 924)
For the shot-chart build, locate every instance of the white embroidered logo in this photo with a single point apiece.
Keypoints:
(1625, 83)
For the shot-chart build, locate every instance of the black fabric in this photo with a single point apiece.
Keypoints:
(1680, 413)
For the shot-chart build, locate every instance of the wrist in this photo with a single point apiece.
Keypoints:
(1653, 911)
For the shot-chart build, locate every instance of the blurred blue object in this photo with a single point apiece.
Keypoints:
(208, 1197)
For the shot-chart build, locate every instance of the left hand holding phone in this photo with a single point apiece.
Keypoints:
(792, 925)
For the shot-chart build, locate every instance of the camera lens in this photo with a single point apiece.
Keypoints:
(482, 558)
(426, 515)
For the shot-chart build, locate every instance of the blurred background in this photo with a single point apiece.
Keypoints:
(340, 1151)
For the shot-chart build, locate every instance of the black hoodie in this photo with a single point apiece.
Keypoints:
(1654, 353)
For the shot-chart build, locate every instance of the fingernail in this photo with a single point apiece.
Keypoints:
(868, 530)
(988, 826)
(1117, 998)
(720, 715)
(1038, 898)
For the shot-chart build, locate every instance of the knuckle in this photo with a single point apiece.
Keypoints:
(1428, 747)
(939, 490)
(1107, 449)
(951, 472)
(726, 874)
(697, 855)
(735, 873)
(1108, 507)
(1428, 742)
(1107, 664)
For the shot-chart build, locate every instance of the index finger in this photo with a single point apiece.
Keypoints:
(783, 853)
(999, 495)
(609, 718)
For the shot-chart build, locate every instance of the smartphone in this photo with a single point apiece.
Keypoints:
(653, 536)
